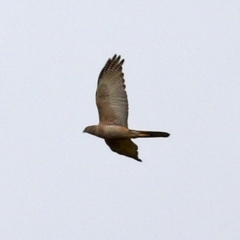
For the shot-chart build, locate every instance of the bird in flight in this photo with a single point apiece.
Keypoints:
(112, 104)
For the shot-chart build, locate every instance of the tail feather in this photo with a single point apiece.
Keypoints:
(153, 134)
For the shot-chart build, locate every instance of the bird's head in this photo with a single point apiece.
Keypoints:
(86, 130)
(90, 130)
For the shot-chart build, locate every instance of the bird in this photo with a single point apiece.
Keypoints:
(112, 104)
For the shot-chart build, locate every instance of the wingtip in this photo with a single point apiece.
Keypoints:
(114, 57)
(117, 58)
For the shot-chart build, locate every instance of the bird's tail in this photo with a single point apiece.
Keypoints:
(143, 134)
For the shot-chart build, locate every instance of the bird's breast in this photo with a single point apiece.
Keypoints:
(113, 131)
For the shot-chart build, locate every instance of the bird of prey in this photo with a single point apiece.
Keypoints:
(112, 104)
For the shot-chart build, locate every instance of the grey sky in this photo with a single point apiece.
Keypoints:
(182, 76)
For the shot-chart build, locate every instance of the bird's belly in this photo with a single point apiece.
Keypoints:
(114, 132)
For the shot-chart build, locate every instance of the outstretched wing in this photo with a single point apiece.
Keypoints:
(111, 97)
(124, 147)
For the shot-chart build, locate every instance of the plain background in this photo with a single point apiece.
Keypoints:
(182, 72)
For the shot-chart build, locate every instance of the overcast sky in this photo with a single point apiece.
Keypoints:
(182, 72)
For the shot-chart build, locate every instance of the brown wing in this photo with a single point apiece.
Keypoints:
(124, 147)
(111, 97)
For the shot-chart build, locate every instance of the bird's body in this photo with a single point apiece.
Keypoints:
(108, 131)
(112, 103)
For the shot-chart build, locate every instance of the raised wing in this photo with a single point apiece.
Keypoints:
(111, 97)
(124, 146)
